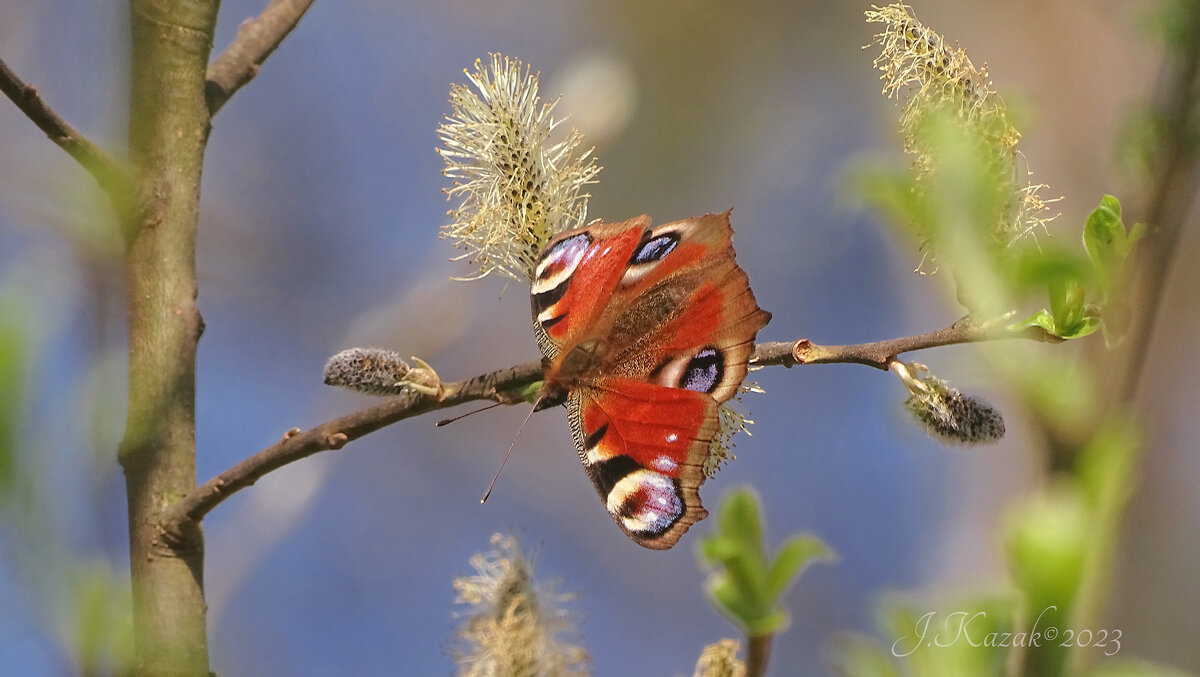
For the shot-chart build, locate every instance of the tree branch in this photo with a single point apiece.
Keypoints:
(256, 39)
(183, 516)
(880, 353)
(334, 434)
(111, 175)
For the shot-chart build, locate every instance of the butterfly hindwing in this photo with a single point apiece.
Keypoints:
(643, 447)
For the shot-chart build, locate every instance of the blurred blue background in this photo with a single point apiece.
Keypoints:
(320, 212)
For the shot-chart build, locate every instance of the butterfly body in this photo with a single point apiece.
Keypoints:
(645, 330)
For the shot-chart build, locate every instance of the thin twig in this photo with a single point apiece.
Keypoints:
(182, 517)
(255, 41)
(758, 652)
(881, 353)
(334, 434)
(110, 174)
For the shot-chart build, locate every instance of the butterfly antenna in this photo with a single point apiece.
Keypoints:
(509, 452)
(448, 421)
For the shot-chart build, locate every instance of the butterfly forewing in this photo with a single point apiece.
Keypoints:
(575, 278)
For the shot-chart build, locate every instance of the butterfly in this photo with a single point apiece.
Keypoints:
(644, 332)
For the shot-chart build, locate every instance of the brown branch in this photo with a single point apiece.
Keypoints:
(256, 39)
(182, 517)
(880, 353)
(758, 652)
(335, 433)
(111, 176)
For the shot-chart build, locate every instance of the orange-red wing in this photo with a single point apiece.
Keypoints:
(574, 281)
(643, 447)
(647, 330)
(696, 324)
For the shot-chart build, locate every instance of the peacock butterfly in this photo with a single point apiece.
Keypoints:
(644, 332)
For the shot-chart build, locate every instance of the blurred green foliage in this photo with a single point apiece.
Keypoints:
(13, 360)
(1173, 20)
(1059, 540)
(83, 600)
(957, 204)
(747, 584)
(1058, 544)
(97, 621)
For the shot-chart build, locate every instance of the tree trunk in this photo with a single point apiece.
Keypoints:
(168, 130)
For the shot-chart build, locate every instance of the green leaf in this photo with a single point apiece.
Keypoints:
(748, 574)
(716, 550)
(1041, 318)
(729, 599)
(1112, 204)
(1104, 240)
(795, 554)
(1107, 243)
(739, 519)
(1085, 326)
(1065, 276)
(1066, 305)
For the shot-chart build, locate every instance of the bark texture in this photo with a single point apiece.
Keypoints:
(168, 131)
